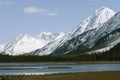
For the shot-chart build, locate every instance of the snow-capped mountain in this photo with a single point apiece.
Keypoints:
(98, 32)
(94, 40)
(23, 43)
(50, 47)
(96, 20)
(109, 33)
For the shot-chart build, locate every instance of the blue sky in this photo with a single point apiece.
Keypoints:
(34, 16)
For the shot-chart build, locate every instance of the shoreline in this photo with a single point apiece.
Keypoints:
(54, 73)
(73, 62)
(104, 75)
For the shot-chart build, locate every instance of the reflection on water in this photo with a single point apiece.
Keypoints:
(49, 68)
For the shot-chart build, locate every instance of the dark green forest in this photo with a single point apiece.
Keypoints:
(111, 55)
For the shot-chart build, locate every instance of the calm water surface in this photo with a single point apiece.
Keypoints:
(50, 68)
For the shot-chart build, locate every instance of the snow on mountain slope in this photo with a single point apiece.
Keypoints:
(101, 50)
(75, 44)
(96, 20)
(23, 43)
(110, 28)
(107, 47)
(85, 30)
(108, 34)
(50, 47)
(1, 47)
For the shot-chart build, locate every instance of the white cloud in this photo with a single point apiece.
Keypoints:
(33, 9)
(5, 2)
(41, 11)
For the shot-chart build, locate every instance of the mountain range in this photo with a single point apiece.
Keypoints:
(97, 33)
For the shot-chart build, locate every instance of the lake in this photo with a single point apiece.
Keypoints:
(51, 68)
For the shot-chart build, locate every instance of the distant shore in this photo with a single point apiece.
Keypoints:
(106, 75)
(82, 62)
(74, 62)
(98, 62)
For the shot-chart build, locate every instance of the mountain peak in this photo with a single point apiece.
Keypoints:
(104, 10)
(48, 37)
(21, 36)
(43, 34)
(23, 43)
(46, 33)
(96, 20)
